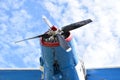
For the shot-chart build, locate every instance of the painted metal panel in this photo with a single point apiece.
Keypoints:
(66, 60)
(103, 74)
(20, 74)
(92, 74)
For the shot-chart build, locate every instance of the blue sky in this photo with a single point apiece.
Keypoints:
(98, 43)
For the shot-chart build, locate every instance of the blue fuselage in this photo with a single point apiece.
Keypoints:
(59, 64)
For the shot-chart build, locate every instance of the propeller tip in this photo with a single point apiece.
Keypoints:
(90, 20)
(43, 16)
(47, 21)
(69, 49)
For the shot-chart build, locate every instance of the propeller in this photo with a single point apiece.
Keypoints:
(75, 25)
(54, 32)
(43, 35)
(47, 21)
(63, 43)
(61, 40)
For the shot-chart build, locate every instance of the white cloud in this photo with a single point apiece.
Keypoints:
(16, 24)
(32, 59)
(3, 28)
(101, 54)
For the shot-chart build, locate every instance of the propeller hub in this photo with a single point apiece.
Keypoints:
(53, 28)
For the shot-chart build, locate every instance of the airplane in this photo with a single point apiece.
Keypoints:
(59, 60)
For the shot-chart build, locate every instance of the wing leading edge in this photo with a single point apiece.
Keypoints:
(20, 74)
(103, 74)
(92, 74)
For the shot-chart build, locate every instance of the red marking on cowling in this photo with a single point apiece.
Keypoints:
(54, 44)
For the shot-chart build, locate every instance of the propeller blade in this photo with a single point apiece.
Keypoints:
(63, 43)
(75, 25)
(43, 35)
(47, 21)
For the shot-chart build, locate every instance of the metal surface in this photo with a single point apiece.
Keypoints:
(103, 74)
(15, 74)
(92, 74)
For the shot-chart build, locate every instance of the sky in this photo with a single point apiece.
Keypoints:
(97, 43)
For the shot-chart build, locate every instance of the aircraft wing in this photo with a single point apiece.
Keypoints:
(103, 74)
(35, 74)
(20, 74)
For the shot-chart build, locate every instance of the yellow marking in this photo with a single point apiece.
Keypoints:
(42, 68)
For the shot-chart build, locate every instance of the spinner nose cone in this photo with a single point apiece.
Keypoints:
(53, 28)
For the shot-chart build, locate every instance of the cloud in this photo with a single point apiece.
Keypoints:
(9, 5)
(3, 28)
(16, 24)
(98, 42)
